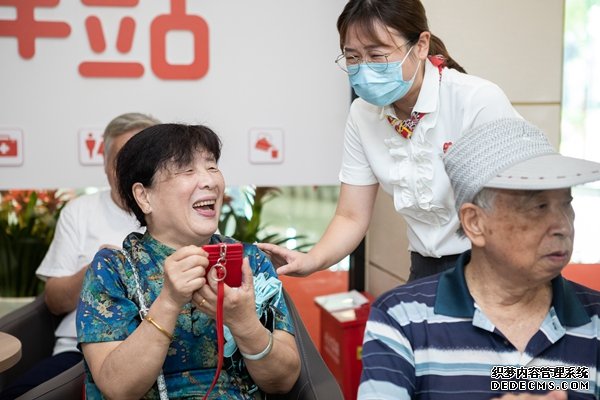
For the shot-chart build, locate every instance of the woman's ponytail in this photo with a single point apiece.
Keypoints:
(436, 46)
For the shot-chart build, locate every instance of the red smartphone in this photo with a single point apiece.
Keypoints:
(229, 256)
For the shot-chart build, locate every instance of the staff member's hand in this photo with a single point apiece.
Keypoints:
(289, 262)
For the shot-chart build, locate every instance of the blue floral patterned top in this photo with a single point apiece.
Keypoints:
(108, 311)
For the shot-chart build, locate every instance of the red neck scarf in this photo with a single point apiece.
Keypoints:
(406, 127)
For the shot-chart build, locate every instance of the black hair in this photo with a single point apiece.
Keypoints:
(155, 149)
(408, 17)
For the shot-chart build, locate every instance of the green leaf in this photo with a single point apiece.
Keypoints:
(26, 231)
(249, 229)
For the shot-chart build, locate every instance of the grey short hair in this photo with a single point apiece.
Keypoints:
(483, 199)
(125, 123)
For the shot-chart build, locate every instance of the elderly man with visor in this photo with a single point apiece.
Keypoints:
(503, 321)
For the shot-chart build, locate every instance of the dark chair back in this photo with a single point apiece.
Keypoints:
(34, 326)
(66, 386)
(316, 380)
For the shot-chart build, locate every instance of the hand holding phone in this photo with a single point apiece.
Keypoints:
(225, 262)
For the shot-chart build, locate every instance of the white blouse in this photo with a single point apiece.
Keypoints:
(412, 170)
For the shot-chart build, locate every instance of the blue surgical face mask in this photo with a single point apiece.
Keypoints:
(381, 88)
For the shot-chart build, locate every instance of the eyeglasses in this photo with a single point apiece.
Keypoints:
(375, 60)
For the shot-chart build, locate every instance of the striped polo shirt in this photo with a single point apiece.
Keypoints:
(429, 340)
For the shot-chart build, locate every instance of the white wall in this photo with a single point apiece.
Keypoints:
(514, 43)
(270, 68)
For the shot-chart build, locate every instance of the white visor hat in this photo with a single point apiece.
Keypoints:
(511, 153)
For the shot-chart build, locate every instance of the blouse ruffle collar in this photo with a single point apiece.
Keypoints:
(412, 172)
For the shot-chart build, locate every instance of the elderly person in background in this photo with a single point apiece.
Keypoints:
(86, 224)
(503, 320)
(168, 176)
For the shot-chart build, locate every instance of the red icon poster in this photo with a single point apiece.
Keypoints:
(266, 146)
(91, 147)
(11, 147)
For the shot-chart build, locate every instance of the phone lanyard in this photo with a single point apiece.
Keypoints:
(221, 272)
(160, 381)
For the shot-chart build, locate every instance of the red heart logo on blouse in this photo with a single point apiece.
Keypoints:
(447, 146)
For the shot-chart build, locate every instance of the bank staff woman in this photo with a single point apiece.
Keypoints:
(414, 102)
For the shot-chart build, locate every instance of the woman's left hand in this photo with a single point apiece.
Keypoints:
(238, 303)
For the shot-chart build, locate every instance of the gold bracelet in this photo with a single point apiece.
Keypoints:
(157, 326)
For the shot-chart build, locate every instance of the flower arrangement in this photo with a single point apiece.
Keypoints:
(27, 222)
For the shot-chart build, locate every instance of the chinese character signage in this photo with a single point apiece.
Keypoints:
(258, 73)
(26, 29)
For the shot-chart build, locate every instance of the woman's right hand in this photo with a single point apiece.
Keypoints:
(289, 262)
(184, 273)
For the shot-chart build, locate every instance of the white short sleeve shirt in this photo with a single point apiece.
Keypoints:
(86, 223)
(412, 170)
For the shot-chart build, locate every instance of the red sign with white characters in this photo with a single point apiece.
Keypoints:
(8, 146)
(91, 147)
(11, 147)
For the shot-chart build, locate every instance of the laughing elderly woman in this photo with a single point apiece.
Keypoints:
(169, 178)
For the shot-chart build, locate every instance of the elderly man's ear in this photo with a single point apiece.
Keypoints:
(472, 219)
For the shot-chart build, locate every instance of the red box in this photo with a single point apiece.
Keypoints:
(341, 344)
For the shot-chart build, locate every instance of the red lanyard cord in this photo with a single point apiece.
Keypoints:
(220, 341)
(220, 272)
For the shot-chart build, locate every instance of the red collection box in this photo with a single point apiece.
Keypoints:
(341, 343)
